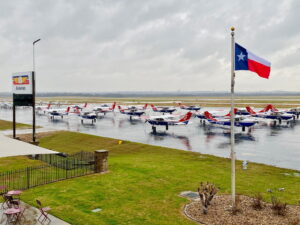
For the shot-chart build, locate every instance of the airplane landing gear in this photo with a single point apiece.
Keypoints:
(154, 129)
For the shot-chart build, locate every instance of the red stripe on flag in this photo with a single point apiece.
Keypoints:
(260, 69)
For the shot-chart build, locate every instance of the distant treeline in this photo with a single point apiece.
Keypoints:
(126, 94)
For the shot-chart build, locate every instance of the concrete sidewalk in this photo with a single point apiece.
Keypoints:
(31, 215)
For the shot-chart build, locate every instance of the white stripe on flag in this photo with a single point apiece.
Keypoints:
(258, 59)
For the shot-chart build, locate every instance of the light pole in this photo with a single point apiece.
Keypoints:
(33, 91)
(33, 43)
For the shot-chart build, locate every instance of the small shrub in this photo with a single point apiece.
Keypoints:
(279, 208)
(257, 203)
(206, 192)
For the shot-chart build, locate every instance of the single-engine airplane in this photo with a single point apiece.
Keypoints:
(190, 107)
(58, 113)
(270, 112)
(131, 112)
(42, 109)
(226, 122)
(163, 109)
(168, 120)
(104, 108)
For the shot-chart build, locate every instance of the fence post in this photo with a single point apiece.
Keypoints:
(66, 168)
(28, 177)
(101, 161)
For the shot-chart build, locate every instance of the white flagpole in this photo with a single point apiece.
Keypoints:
(232, 152)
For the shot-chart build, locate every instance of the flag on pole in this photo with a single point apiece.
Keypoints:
(246, 60)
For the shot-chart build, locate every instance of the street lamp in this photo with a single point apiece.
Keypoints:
(33, 43)
(33, 91)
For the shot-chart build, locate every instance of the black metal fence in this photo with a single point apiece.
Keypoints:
(56, 168)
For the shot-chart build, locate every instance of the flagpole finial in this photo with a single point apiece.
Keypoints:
(232, 28)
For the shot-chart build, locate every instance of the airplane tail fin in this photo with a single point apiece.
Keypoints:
(68, 109)
(85, 105)
(186, 117)
(209, 116)
(113, 106)
(153, 107)
(250, 110)
(269, 107)
(234, 111)
(77, 110)
(48, 106)
(145, 106)
(120, 108)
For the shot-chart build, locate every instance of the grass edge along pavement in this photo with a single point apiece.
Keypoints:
(8, 125)
(18, 162)
(144, 181)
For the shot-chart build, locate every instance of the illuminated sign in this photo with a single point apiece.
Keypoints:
(22, 83)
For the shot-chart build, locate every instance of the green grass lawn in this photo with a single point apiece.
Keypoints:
(7, 125)
(144, 181)
(16, 163)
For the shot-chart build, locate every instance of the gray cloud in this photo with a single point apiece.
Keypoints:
(148, 45)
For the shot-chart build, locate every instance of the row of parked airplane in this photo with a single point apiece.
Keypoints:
(243, 117)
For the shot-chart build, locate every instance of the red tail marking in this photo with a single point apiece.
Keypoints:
(121, 110)
(68, 109)
(269, 107)
(209, 116)
(186, 117)
(145, 106)
(113, 106)
(48, 107)
(77, 110)
(153, 107)
(234, 111)
(85, 105)
(249, 110)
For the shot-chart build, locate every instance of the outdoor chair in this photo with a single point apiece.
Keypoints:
(21, 214)
(10, 202)
(5, 202)
(15, 203)
(44, 213)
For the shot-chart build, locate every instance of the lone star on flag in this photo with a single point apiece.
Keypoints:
(241, 56)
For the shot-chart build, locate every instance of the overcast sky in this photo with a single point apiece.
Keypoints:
(136, 45)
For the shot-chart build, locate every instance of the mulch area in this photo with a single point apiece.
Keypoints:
(28, 137)
(219, 213)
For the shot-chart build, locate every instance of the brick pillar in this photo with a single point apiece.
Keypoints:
(101, 161)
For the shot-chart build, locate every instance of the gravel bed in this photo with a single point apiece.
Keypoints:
(219, 213)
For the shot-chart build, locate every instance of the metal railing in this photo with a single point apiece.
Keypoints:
(56, 168)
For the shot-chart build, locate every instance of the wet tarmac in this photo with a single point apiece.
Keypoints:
(278, 146)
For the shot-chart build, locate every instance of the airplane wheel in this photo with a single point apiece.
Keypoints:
(154, 130)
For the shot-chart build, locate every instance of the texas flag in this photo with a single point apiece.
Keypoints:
(246, 60)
